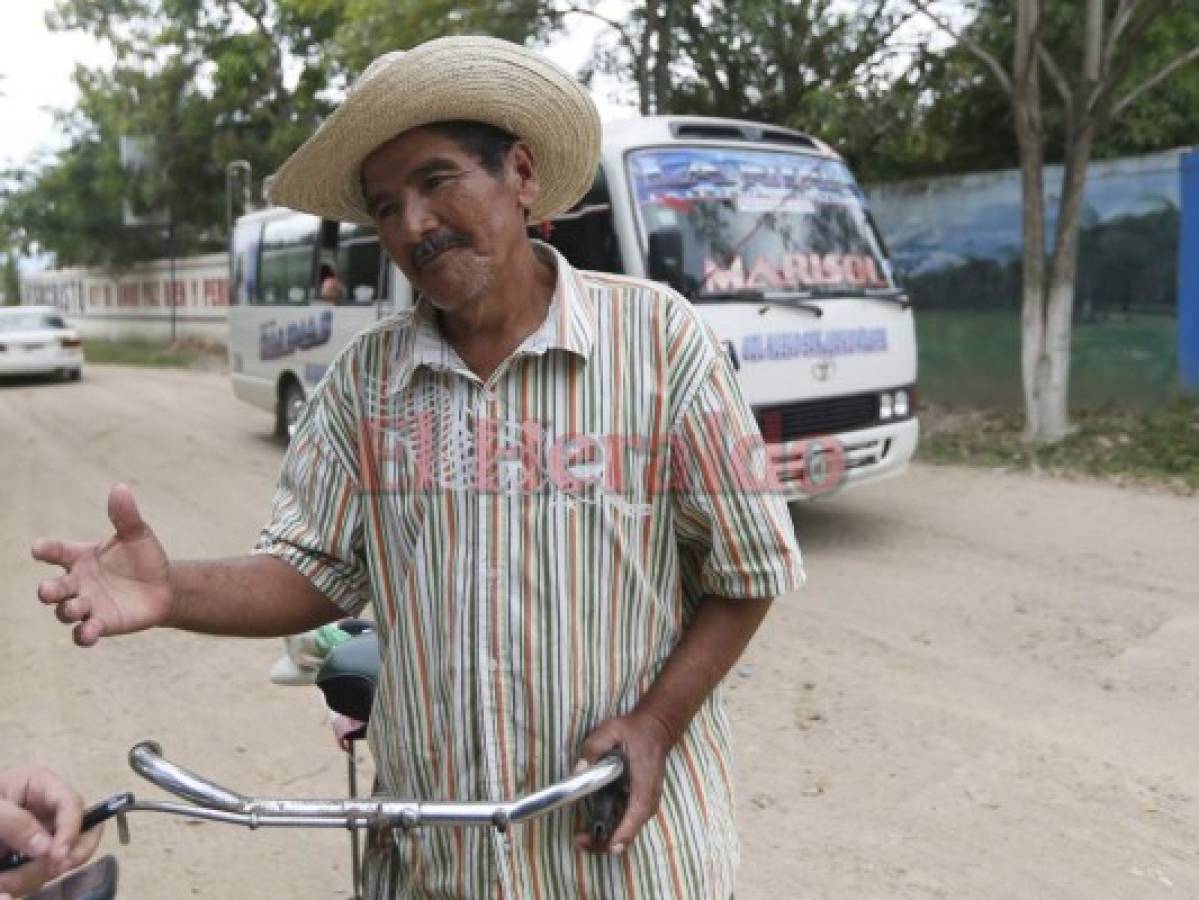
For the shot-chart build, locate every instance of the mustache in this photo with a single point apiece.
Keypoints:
(435, 244)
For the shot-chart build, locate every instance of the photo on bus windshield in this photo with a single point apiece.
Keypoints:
(757, 219)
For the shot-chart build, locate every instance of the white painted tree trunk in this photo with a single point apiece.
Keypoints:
(1052, 389)
(1047, 343)
(1047, 324)
(1032, 355)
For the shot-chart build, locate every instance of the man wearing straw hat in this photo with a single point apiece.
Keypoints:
(533, 477)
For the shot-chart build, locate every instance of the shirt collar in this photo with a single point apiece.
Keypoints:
(569, 323)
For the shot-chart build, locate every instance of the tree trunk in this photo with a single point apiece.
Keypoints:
(1054, 373)
(1033, 360)
(644, 56)
(1048, 417)
(1026, 113)
(663, 52)
(1053, 392)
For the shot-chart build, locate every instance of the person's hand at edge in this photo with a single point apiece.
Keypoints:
(40, 816)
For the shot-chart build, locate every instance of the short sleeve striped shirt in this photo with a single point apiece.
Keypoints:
(534, 546)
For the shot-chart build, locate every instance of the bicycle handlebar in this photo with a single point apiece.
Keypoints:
(214, 802)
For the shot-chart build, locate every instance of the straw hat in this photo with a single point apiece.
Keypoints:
(453, 78)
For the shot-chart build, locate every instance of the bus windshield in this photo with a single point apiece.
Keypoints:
(758, 220)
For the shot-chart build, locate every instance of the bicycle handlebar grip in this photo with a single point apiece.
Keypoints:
(606, 807)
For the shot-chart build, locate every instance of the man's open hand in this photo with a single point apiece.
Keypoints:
(116, 587)
(645, 742)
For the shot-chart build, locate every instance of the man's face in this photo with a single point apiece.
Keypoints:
(450, 225)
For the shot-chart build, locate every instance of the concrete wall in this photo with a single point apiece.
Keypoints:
(136, 303)
(956, 244)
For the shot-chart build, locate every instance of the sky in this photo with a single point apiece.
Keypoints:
(36, 67)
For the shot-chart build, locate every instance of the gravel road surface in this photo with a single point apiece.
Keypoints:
(987, 689)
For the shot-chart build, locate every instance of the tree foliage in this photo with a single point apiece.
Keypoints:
(968, 120)
(360, 30)
(823, 66)
(208, 82)
(836, 70)
(201, 83)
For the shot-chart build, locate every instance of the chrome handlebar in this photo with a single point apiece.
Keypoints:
(216, 803)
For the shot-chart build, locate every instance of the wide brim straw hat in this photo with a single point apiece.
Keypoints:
(477, 79)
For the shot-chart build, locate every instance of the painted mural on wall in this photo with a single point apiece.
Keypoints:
(955, 241)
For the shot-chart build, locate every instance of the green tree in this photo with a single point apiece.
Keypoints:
(833, 69)
(968, 116)
(1074, 69)
(360, 30)
(644, 47)
(10, 281)
(203, 83)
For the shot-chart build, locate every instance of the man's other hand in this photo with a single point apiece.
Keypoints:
(40, 817)
(645, 741)
(117, 587)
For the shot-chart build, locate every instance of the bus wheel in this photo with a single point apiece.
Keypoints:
(291, 404)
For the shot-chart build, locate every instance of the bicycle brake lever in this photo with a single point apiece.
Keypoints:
(606, 807)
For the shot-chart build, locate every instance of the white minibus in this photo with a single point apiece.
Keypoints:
(763, 228)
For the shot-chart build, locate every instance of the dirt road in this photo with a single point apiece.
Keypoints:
(988, 688)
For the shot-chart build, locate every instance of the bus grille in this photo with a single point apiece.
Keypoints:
(809, 418)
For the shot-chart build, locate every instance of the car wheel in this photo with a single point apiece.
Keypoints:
(76, 375)
(291, 404)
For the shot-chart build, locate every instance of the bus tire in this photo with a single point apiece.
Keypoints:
(291, 404)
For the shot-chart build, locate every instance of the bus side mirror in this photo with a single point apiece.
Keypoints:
(666, 257)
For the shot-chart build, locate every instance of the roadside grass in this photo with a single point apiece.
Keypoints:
(972, 358)
(133, 352)
(1160, 447)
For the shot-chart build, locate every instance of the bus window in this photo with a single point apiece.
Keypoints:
(288, 255)
(584, 234)
(241, 278)
(359, 259)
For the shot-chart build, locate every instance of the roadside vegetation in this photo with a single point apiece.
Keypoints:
(1160, 447)
(130, 352)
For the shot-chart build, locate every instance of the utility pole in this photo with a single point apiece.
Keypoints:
(171, 252)
(238, 166)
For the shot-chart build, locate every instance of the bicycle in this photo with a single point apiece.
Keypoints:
(348, 681)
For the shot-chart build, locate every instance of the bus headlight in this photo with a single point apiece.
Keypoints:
(885, 406)
(902, 405)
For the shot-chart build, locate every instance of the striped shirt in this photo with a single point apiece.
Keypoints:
(534, 547)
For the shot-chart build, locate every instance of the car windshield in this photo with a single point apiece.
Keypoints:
(759, 220)
(29, 321)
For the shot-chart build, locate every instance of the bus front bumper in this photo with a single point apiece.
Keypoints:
(817, 467)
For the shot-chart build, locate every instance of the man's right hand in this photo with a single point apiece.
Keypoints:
(115, 587)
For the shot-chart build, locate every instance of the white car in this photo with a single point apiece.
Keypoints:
(36, 340)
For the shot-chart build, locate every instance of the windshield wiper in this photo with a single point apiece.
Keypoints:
(892, 295)
(850, 292)
(790, 300)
